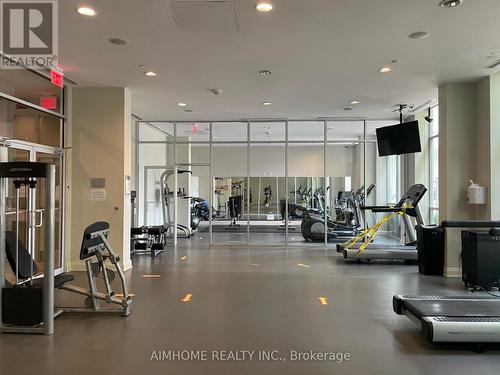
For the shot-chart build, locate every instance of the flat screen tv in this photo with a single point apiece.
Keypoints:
(399, 139)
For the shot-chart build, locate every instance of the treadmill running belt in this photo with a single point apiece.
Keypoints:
(453, 308)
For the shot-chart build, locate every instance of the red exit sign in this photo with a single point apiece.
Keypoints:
(57, 78)
(48, 102)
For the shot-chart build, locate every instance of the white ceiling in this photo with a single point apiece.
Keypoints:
(322, 53)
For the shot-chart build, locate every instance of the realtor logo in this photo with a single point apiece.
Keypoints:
(29, 33)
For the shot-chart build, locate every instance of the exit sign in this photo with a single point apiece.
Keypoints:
(49, 102)
(57, 78)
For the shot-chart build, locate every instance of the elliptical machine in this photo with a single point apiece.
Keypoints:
(299, 211)
(313, 225)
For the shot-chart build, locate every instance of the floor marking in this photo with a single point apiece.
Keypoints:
(303, 265)
(323, 300)
(254, 265)
(187, 298)
(120, 295)
(233, 241)
(151, 276)
(184, 257)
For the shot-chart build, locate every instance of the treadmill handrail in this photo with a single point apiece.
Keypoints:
(471, 224)
(374, 207)
(391, 209)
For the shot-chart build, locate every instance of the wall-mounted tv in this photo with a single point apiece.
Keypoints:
(399, 139)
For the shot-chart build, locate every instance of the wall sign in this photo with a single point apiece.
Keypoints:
(97, 189)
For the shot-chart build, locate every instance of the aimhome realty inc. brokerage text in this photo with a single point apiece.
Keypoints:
(248, 355)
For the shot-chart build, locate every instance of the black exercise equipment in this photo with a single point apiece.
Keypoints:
(148, 240)
(313, 225)
(472, 318)
(235, 209)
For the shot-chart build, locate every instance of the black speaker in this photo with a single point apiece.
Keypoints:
(430, 247)
(22, 306)
(480, 259)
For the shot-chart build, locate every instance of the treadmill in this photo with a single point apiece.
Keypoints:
(467, 319)
(407, 252)
(473, 318)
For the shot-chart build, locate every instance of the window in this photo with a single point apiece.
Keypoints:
(434, 167)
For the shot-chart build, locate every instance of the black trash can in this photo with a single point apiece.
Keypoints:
(480, 259)
(430, 247)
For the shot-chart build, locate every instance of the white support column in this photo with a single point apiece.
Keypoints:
(100, 147)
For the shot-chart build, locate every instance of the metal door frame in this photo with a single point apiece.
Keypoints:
(33, 150)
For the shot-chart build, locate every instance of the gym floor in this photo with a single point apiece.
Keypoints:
(251, 299)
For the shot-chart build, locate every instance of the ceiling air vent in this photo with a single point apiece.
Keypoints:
(205, 16)
(494, 65)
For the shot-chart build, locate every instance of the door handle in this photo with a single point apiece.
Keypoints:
(40, 224)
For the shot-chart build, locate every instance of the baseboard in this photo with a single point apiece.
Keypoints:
(453, 272)
(127, 265)
(80, 266)
(76, 266)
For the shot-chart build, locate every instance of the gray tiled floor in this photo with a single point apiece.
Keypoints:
(251, 299)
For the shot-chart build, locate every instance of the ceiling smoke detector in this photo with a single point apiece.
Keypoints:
(419, 35)
(118, 41)
(215, 91)
(450, 3)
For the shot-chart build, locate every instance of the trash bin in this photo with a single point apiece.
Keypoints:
(430, 247)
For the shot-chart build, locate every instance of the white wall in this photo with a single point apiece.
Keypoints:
(494, 188)
(231, 160)
(457, 154)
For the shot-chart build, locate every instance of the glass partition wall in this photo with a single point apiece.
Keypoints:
(249, 182)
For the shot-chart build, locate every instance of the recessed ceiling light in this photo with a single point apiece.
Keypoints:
(385, 69)
(353, 102)
(86, 11)
(265, 72)
(142, 66)
(419, 35)
(182, 104)
(450, 3)
(267, 104)
(264, 6)
(118, 41)
(151, 74)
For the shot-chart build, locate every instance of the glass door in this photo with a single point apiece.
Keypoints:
(44, 156)
(15, 219)
(32, 235)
